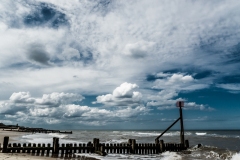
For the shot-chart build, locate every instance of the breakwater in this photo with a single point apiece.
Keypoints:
(56, 149)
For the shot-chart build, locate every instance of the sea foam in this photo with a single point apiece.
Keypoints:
(236, 156)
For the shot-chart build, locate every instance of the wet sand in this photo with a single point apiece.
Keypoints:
(17, 156)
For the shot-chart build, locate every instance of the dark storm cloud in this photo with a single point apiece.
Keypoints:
(37, 53)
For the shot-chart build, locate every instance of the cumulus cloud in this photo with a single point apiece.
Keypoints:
(166, 99)
(187, 106)
(194, 106)
(179, 82)
(59, 98)
(22, 97)
(56, 108)
(53, 99)
(122, 96)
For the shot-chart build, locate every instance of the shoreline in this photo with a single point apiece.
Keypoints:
(11, 134)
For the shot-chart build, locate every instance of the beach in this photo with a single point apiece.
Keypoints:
(17, 156)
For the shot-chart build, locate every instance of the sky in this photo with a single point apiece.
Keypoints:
(102, 64)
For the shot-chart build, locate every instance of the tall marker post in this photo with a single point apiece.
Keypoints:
(180, 104)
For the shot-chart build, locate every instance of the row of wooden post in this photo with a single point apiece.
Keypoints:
(96, 147)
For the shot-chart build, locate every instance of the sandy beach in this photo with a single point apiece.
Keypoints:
(17, 156)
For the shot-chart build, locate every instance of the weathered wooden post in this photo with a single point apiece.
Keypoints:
(63, 150)
(162, 146)
(96, 144)
(102, 150)
(133, 146)
(5, 144)
(19, 148)
(29, 148)
(14, 147)
(43, 149)
(48, 149)
(24, 148)
(157, 145)
(55, 146)
(180, 104)
(84, 148)
(34, 149)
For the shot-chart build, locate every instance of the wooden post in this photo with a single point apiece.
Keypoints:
(121, 148)
(96, 144)
(102, 150)
(107, 148)
(24, 148)
(162, 146)
(9, 148)
(80, 148)
(114, 148)
(62, 151)
(67, 148)
(111, 148)
(29, 146)
(84, 147)
(118, 148)
(34, 148)
(48, 150)
(19, 147)
(75, 148)
(43, 149)
(70, 151)
(90, 147)
(14, 146)
(133, 146)
(55, 146)
(182, 128)
(5, 144)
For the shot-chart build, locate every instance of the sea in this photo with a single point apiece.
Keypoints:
(214, 145)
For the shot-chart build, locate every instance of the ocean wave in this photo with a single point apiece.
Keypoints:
(117, 141)
(200, 133)
(236, 156)
(222, 136)
(216, 135)
(164, 156)
(154, 134)
(211, 152)
(59, 135)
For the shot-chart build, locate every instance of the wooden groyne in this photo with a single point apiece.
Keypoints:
(67, 150)
(35, 130)
(17, 128)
